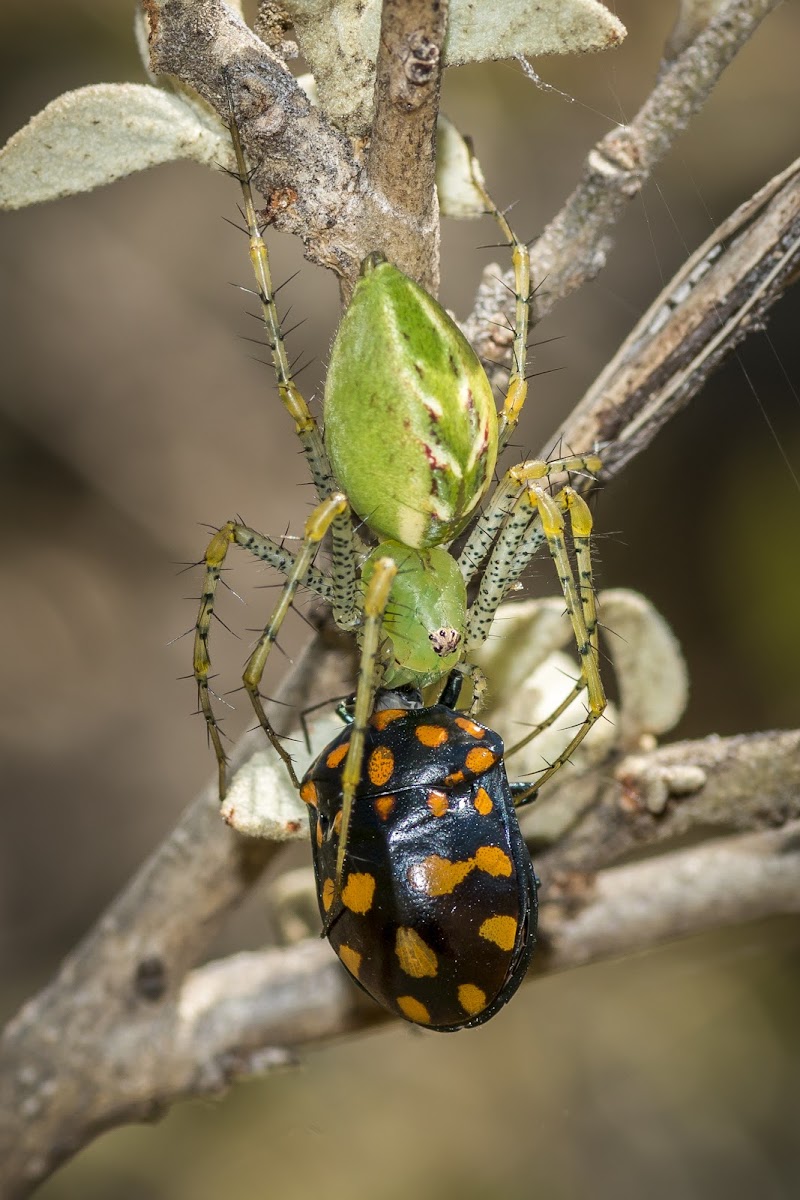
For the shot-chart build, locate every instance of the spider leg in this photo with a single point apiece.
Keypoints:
(521, 260)
(376, 599)
(551, 718)
(317, 525)
(298, 571)
(505, 496)
(343, 542)
(527, 507)
(580, 599)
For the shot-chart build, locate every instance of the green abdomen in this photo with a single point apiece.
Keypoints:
(410, 421)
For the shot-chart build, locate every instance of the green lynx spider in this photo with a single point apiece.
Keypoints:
(405, 599)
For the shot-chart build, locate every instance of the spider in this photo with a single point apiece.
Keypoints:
(410, 444)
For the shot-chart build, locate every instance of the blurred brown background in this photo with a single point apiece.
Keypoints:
(131, 414)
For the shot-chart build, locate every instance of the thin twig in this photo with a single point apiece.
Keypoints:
(722, 785)
(631, 908)
(249, 1013)
(401, 167)
(575, 245)
(721, 294)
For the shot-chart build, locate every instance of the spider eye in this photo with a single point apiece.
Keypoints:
(445, 641)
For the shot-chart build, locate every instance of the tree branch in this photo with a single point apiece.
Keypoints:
(311, 175)
(722, 293)
(314, 181)
(575, 245)
(401, 167)
(134, 1035)
(718, 785)
(631, 908)
(303, 166)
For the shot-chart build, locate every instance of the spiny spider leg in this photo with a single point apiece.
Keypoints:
(376, 598)
(343, 550)
(503, 499)
(214, 558)
(580, 599)
(500, 570)
(535, 537)
(521, 260)
(575, 691)
(282, 559)
(509, 521)
(532, 506)
(297, 567)
(581, 609)
(317, 525)
(478, 685)
(581, 532)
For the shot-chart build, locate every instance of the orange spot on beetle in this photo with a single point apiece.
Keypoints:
(351, 959)
(480, 759)
(413, 1010)
(415, 956)
(308, 793)
(380, 766)
(437, 876)
(380, 720)
(483, 802)
(456, 777)
(471, 998)
(471, 727)
(500, 930)
(437, 803)
(431, 735)
(359, 892)
(327, 894)
(493, 860)
(337, 756)
(384, 805)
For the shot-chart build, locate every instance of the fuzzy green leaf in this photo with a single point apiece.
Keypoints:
(101, 133)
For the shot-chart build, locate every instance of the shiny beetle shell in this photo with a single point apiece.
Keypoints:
(410, 421)
(437, 919)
